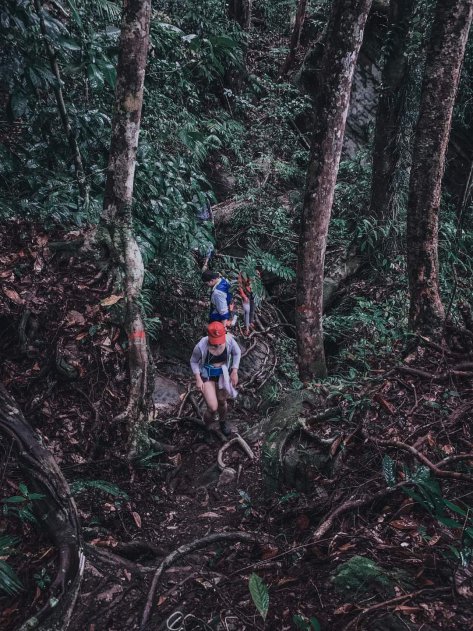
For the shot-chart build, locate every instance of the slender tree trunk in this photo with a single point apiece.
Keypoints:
(295, 37)
(342, 44)
(442, 73)
(80, 175)
(240, 11)
(117, 214)
(389, 149)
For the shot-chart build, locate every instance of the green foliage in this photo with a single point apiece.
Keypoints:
(361, 575)
(9, 581)
(389, 470)
(259, 594)
(21, 506)
(102, 485)
(301, 622)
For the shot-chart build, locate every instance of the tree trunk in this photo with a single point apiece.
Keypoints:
(442, 73)
(117, 213)
(58, 513)
(295, 37)
(240, 11)
(342, 44)
(80, 175)
(391, 143)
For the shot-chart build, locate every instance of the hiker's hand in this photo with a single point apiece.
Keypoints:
(199, 383)
(234, 377)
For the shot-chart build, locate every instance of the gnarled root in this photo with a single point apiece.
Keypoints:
(59, 514)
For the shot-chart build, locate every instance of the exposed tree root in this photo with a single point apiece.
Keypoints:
(59, 514)
(350, 505)
(186, 549)
(237, 440)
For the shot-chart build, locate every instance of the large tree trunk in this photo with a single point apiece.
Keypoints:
(240, 11)
(61, 105)
(343, 40)
(117, 213)
(391, 143)
(295, 37)
(442, 73)
(57, 511)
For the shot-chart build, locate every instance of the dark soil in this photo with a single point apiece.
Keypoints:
(63, 358)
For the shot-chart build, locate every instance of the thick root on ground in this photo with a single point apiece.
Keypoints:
(58, 513)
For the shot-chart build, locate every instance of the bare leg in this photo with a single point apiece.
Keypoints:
(222, 403)
(210, 396)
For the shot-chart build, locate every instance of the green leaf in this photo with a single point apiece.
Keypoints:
(14, 499)
(259, 594)
(389, 470)
(102, 485)
(9, 581)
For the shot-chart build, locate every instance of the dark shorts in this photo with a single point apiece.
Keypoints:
(215, 379)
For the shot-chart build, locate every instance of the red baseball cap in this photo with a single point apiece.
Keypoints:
(216, 333)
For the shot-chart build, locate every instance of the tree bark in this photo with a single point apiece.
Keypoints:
(295, 37)
(342, 44)
(117, 213)
(240, 12)
(58, 513)
(71, 137)
(442, 73)
(389, 151)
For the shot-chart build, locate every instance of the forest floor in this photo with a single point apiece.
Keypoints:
(343, 550)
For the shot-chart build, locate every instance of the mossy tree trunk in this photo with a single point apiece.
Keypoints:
(441, 77)
(117, 212)
(342, 44)
(389, 149)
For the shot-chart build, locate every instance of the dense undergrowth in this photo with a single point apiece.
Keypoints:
(218, 125)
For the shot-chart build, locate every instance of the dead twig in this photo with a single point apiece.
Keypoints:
(186, 549)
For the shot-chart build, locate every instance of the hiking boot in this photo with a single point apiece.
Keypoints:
(225, 428)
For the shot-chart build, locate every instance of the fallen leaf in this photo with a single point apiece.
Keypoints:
(127, 575)
(269, 552)
(302, 522)
(111, 300)
(81, 335)
(74, 318)
(137, 519)
(335, 445)
(389, 407)
(161, 600)
(14, 296)
(403, 524)
(346, 608)
(176, 460)
(286, 579)
(435, 539)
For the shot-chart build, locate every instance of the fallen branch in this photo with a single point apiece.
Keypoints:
(237, 440)
(436, 378)
(186, 549)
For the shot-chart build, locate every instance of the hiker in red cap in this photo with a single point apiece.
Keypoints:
(215, 361)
